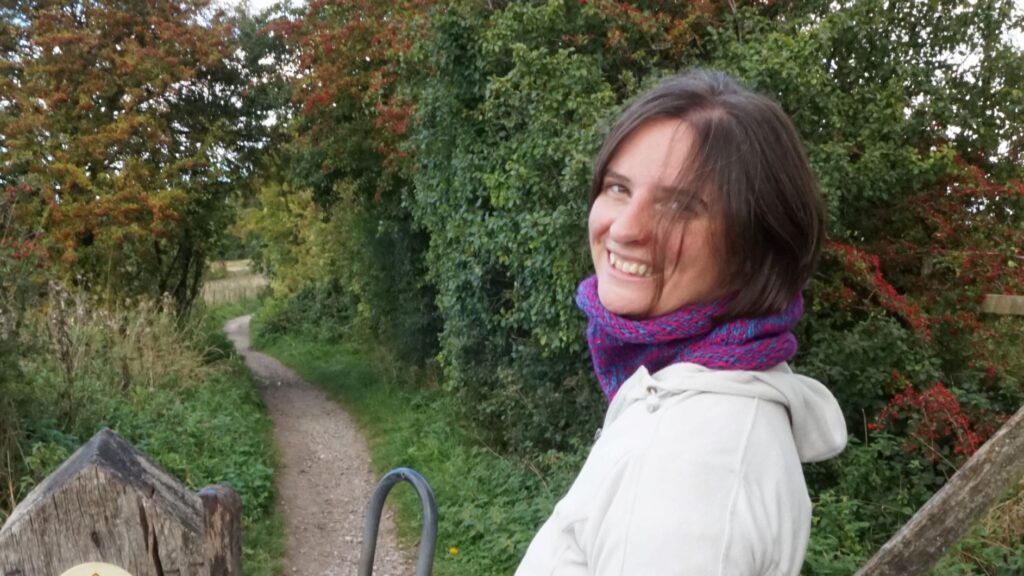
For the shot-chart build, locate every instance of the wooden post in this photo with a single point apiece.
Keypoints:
(109, 503)
(947, 515)
(1003, 304)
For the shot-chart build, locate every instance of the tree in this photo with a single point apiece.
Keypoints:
(122, 115)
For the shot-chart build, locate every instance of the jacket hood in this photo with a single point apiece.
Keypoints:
(819, 429)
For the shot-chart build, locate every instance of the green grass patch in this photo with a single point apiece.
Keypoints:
(250, 454)
(489, 506)
(177, 392)
(215, 432)
(218, 315)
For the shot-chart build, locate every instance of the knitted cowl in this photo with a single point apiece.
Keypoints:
(619, 345)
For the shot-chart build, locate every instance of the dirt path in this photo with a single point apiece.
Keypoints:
(325, 478)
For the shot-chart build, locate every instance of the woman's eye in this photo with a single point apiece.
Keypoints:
(616, 189)
(672, 206)
(690, 206)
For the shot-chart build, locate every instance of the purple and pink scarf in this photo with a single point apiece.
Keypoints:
(619, 345)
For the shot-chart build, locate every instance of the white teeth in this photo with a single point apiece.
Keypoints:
(634, 268)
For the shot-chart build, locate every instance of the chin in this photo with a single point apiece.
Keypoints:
(622, 301)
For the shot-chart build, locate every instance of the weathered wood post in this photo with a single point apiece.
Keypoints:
(109, 503)
(979, 483)
(1003, 304)
(951, 511)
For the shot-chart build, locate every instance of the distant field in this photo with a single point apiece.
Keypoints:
(232, 281)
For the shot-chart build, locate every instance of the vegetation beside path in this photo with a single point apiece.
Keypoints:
(178, 392)
(489, 505)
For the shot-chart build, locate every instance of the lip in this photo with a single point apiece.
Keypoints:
(624, 275)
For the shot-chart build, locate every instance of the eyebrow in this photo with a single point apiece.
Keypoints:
(609, 173)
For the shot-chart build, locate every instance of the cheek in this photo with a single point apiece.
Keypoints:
(594, 238)
(674, 248)
(598, 222)
(700, 253)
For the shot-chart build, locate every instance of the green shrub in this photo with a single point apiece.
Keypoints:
(836, 547)
(506, 130)
(151, 377)
(858, 360)
(323, 309)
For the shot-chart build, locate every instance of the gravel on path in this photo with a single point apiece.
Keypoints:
(325, 480)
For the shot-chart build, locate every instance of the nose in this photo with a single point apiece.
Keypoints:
(634, 222)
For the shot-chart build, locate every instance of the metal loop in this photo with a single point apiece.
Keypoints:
(428, 537)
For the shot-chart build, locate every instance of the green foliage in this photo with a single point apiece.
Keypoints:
(386, 276)
(224, 442)
(837, 530)
(864, 363)
(439, 188)
(356, 265)
(144, 374)
(318, 309)
(20, 280)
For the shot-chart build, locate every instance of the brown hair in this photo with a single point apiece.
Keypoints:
(749, 162)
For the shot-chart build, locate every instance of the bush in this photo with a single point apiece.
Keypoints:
(148, 375)
(504, 136)
(863, 362)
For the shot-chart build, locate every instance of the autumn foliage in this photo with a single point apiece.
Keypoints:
(116, 115)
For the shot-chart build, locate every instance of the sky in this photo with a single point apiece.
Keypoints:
(257, 6)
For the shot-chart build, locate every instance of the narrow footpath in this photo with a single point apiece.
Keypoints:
(325, 479)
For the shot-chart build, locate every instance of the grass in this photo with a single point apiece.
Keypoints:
(489, 506)
(178, 393)
(232, 281)
(263, 536)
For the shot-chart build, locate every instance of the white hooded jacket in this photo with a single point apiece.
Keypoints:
(696, 473)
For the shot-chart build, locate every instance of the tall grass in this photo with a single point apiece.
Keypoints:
(173, 388)
(232, 281)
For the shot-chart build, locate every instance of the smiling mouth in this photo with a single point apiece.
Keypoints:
(629, 267)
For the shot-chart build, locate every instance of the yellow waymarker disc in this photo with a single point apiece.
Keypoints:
(95, 569)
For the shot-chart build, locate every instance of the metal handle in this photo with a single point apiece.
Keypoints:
(428, 537)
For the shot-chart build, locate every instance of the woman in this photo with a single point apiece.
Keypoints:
(705, 225)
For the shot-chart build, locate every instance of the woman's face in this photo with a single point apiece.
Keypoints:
(637, 189)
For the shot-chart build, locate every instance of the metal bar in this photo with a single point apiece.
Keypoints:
(428, 537)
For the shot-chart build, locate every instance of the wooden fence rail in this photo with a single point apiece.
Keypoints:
(976, 486)
(1003, 304)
